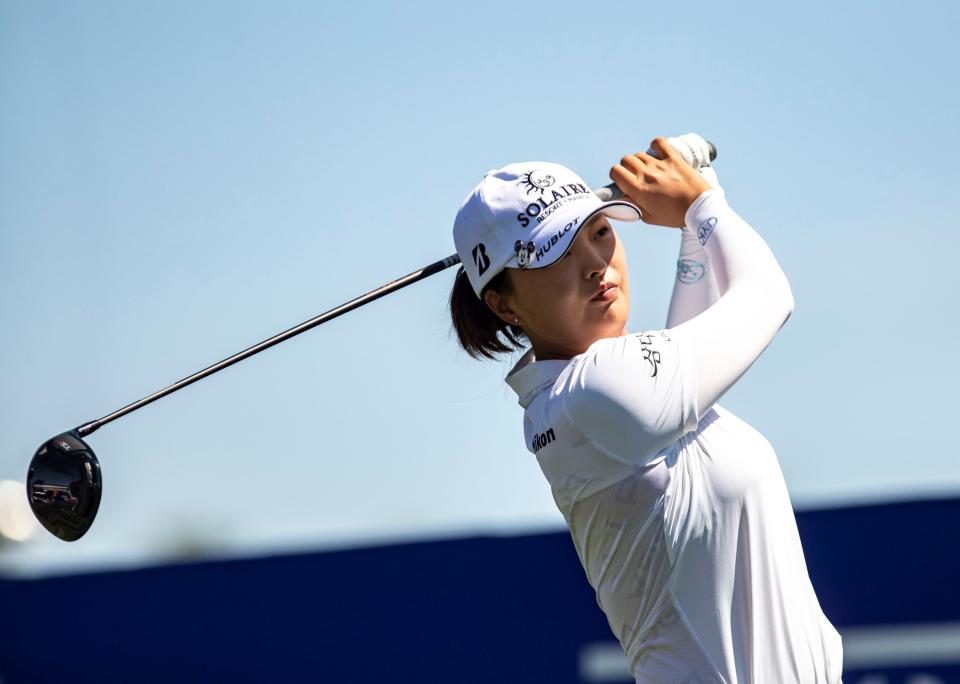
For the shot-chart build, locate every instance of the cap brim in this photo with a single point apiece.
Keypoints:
(618, 210)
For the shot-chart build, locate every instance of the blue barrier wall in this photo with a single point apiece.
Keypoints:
(485, 609)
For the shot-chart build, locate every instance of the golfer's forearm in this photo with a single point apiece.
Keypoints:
(695, 286)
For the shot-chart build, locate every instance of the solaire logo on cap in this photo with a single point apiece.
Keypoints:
(480, 258)
(534, 181)
(537, 183)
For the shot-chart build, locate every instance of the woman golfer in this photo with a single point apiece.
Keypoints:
(677, 508)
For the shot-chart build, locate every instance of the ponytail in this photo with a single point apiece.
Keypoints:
(478, 328)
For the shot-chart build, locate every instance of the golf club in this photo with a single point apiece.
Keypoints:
(64, 482)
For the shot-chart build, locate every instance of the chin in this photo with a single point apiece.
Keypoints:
(615, 318)
(613, 327)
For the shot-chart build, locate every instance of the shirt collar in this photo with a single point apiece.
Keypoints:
(529, 376)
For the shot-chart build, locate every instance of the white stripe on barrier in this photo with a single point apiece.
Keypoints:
(603, 662)
(906, 644)
(863, 648)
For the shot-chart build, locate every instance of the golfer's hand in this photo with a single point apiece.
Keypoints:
(663, 188)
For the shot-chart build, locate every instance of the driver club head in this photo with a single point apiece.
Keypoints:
(63, 486)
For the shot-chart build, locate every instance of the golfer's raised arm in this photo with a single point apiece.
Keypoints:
(755, 300)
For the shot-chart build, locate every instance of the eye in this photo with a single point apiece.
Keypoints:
(603, 231)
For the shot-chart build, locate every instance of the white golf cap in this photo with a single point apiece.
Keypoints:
(526, 215)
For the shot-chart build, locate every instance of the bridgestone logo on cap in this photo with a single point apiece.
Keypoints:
(480, 258)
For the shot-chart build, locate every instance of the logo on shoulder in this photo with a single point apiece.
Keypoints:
(706, 227)
(650, 354)
(480, 258)
(542, 439)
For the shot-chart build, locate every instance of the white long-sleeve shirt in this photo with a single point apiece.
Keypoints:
(677, 508)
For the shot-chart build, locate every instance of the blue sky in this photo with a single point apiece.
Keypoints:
(181, 180)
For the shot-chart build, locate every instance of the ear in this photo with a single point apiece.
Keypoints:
(500, 306)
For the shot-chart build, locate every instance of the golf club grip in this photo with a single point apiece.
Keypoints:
(611, 192)
(608, 193)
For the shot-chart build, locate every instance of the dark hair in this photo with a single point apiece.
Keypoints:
(478, 328)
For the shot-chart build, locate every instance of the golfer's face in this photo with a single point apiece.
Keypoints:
(556, 304)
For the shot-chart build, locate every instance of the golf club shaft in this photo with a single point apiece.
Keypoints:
(392, 286)
(605, 193)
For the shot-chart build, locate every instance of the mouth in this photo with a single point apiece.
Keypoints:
(606, 293)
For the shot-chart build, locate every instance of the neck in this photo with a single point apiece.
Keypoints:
(546, 352)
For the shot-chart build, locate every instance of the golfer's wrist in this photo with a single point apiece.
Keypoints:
(710, 202)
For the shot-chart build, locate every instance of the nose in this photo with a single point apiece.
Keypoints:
(593, 256)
